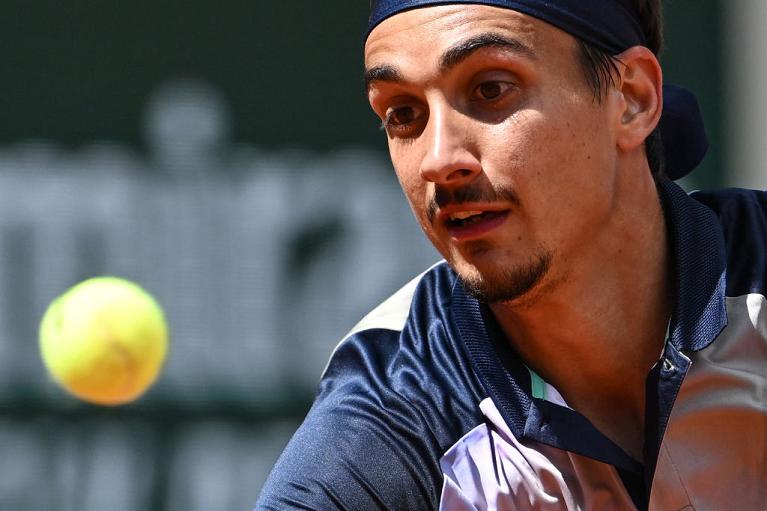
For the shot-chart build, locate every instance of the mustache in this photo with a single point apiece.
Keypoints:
(444, 197)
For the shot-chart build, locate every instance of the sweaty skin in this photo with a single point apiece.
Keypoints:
(536, 193)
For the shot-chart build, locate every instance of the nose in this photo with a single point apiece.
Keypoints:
(449, 157)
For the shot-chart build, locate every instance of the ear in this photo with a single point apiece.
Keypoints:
(640, 86)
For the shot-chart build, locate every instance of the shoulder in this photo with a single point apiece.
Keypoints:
(734, 202)
(396, 393)
(742, 215)
(406, 358)
(394, 312)
(419, 306)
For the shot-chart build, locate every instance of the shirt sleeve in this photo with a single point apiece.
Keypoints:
(362, 446)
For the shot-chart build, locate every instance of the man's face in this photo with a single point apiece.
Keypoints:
(505, 156)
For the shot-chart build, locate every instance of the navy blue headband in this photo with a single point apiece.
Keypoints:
(611, 26)
(608, 25)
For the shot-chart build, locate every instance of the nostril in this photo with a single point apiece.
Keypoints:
(460, 173)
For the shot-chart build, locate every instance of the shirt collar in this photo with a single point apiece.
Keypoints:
(699, 265)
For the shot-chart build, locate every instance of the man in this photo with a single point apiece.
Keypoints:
(596, 338)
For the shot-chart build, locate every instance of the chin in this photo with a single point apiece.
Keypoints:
(503, 283)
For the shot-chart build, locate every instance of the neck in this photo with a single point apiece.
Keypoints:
(595, 329)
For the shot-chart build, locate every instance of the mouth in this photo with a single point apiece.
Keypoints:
(471, 224)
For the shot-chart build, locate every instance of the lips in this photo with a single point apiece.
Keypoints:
(473, 223)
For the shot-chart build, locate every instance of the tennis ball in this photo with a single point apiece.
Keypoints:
(104, 340)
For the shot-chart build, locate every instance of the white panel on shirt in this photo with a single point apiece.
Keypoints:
(489, 469)
(714, 452)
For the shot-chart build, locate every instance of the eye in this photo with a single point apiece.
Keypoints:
(489, 91)
(401, 118)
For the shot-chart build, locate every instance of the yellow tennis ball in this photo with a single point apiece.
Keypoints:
(104, 340)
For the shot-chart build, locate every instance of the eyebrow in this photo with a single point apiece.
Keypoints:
(382, 74)
(454, 56)
(464, 49)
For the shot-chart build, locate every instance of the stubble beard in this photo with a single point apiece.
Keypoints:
(509, 283)
(500, 284)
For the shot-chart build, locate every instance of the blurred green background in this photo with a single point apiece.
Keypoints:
(222, 155)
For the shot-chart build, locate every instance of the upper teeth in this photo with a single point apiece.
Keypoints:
(463, 215)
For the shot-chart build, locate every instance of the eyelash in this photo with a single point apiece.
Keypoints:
(504, 86)
(386, 123)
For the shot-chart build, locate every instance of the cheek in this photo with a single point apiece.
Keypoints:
(520, 150)
(405, 164)
(415, 191)
(558, 168)
(539, 144)
(418, 194)
(408, 180)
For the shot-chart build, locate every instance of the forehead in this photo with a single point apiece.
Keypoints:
(418, 33)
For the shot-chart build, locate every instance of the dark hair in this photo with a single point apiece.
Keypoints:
(600, 68)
